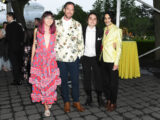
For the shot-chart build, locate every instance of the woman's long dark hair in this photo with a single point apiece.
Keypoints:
(112, 16)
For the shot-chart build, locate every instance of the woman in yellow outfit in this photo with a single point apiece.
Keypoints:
(111, 50)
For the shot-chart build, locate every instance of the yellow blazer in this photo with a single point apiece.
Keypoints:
(109, 52)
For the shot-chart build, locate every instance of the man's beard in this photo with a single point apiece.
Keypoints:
(68, 17)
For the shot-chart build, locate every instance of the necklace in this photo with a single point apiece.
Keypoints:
(108, 29)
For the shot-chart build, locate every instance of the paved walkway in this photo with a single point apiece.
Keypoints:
(139, 99)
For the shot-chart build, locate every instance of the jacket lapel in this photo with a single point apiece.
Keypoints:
(60, 25)
(84, 34)
(96, 37)
(109, 34)
(71, 28)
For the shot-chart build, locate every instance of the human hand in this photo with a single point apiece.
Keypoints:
(115, 67)
(114, 45)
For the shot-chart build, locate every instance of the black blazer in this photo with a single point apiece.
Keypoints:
(14, 37)
(99, 35)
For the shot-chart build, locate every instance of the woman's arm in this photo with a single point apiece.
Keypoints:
(34, 45)
(118, 48)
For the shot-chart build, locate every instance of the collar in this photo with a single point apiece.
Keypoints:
(91, 29)
(110, 27)
(12, 21)
(68, 21)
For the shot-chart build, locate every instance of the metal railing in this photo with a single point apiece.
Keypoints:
(155, 9)
(151, 51)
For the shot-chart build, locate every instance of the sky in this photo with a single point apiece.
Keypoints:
(85, 4)
(55, 5)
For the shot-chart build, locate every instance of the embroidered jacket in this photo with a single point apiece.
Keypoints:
(69, 45)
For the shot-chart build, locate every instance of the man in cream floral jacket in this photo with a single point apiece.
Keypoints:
(69, 49)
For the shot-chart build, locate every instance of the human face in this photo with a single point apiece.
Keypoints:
(36, 23)
(107, 20)
(68, 11)
(48, 20)
(92, 20)
(9, 18)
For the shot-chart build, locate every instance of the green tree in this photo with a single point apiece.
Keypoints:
(18, 8)
(98, 9)
(139, 23)
(79, 15)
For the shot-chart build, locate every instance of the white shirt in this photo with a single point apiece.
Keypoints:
(90, 42)
(12, 21)
(66, 24)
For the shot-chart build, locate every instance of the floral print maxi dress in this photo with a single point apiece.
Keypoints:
(44, 71)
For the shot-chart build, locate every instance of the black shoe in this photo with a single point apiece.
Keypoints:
(19, 83)
(99, 99)
(88, 101)
(16, 83)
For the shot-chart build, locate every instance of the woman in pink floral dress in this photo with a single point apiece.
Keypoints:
(44, 71)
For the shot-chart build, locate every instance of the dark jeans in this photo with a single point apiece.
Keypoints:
(110, 82)
(91, 67)
(73, 69)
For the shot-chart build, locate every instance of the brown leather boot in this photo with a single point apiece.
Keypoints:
(78, 106)
(108, 106)
(67, 107)
(113, 107)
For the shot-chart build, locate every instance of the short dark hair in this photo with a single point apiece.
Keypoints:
(11, 14)
(112, 16)
(92, 13)
(38, 19)
(5, 23)
(68, 3)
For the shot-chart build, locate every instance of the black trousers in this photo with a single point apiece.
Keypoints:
(91, 67)
(110, 82)
(16, 62)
